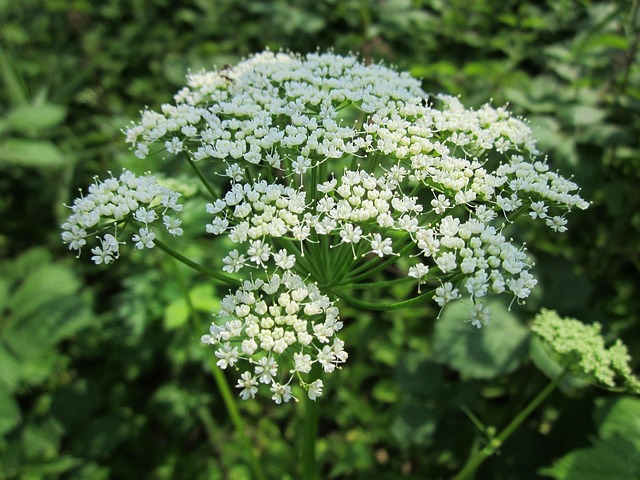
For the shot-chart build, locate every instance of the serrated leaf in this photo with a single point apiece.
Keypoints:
(619, 417)
(31, 153)
(33, 118)
(9, 412)
(612, 459)
(489, 352)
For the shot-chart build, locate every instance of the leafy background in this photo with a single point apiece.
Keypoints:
(101, 370)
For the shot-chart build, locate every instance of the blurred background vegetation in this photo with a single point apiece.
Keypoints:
(102, 374)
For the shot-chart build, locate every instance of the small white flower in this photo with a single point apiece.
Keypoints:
(228, 355)
(233, 262)
(266, 369)
(480, 315)
(144, 238)
(315, 389)
(281, 393)
(381, 247)
(248, 384)
(172, 225)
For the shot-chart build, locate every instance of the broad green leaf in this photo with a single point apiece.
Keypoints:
(607, 40)
(44, 285)
(9, 412)
(203, 298)
(12, 82)
(582, 115)
(10, 369)
(619, 416)
(31, 153)
(414, 424)
(611, 459)
(176, 314)
(489, 352)
(100, 436)
(55, 466)
(33, 118)
(42, 440)
(4, 294)
(75, 404)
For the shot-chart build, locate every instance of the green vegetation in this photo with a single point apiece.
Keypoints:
(102, 373)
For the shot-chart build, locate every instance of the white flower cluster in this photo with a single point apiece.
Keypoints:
(287, 326)
(332, 170)
(115, 202)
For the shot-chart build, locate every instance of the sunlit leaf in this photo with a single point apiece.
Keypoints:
(9, 412)
(31, 153)
(611, 459)
(493, 350)
(619, 416)
(33, 118)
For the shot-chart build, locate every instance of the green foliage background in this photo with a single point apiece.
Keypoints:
(101, 371)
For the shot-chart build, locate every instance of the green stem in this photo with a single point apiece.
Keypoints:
(199, 174)
(381, 284)
(310, 432)
(236, 419)
(221, 277)
(374, 266)
(227, 396)
(383, 306)
(479, 457)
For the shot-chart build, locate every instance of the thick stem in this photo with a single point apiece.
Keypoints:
(310, 434)
(236, 419)
(227, 396)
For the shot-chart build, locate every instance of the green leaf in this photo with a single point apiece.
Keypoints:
(31, 153)
(9, 412)
(176, 314)
(582, 115)
(203, 298)
(100, 436)
(43, 285)
(4, 294)
(12, 82)
(619, 417)
(33, 118)
(611, 459)
(414, 424)
(10, 369)
(489, 352)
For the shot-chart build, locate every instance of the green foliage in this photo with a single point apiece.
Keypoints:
(41, 307)
(101, 371)
(487, 353)
(614, 454)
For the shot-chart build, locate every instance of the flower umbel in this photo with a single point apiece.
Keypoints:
(115, 202)
(582, 348)
(328, 172)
